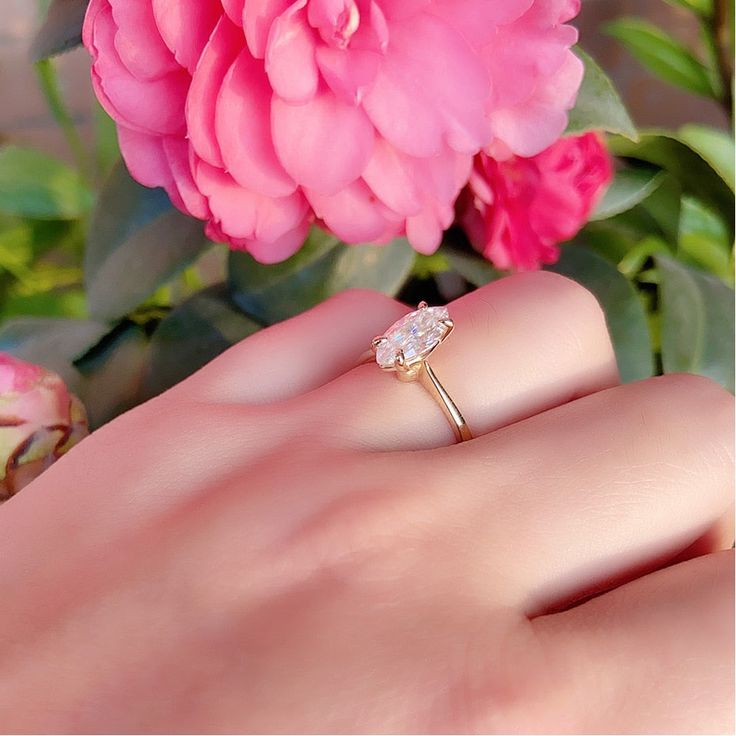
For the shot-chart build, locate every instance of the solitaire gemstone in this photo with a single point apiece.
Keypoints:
(416, 335)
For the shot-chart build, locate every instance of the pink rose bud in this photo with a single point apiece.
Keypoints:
(39, 421)
(263, 116)
(517, 211)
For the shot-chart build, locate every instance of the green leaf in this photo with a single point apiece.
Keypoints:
(53, 343)
(714, 146)
(704, 240)
(663, 206)
(191, 336)
(662, 55)
(323, 267)
(598, 105)
(106, 141)
(70, 303)
(703, 8)
(137, 241)
(625, 315)
(695, 174)
(697, 315)
(62, 29)
(608, 238)
(474, 269)
(113, 372)
(425, 267)
(630, 187)
(35, 185)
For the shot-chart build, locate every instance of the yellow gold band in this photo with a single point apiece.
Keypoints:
(436, 390)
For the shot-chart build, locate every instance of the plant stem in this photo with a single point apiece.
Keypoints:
(719, 27)
(49, 83)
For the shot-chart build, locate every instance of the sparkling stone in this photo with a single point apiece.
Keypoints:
(417, 335)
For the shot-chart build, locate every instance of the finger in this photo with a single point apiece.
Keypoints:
(575, 500)
(654, 656)
(298, 355)
(520, 345)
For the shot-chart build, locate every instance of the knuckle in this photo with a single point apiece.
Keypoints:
(688, 397)
(560, 302)
(576, 298)
(693, 417)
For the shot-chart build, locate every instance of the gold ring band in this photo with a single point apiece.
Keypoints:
(437, 391)
(405, 349)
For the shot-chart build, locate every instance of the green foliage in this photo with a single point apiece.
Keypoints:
(629, 188)
(107, 151)
(700, 7)
(675, 245)
(137, 242)
(52, 343)
(193, 334)
(323, 267)
(669, 152)
(713, 146)
(697, 322)
(62, 29)
(663, 55)
(112, 373)
(625, 314)
(703, 240)
(35, 185)
(598, 106)
(476, 271)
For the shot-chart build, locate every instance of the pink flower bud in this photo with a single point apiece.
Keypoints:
(518, 210)
(39, 421)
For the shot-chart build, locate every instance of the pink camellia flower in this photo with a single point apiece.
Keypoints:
(39, 421)
(262, 116)
(517, 212)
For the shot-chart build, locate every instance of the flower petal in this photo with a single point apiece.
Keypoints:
(325, 144)
(245, 214)
(185, 26)
(530, 127)
(278, 250)
(291, 64)
(392, 177)
(217, 57)
(121, 93)
(243, 125)
(430, 91)
(234, 10)
(138, 41)
(348, 72)
(354, 215)
(258, 17)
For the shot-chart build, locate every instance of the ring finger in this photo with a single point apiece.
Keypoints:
(520, 346)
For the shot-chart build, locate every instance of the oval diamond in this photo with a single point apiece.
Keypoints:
(416, 335)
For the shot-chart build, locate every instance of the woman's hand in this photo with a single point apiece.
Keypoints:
(288, 543)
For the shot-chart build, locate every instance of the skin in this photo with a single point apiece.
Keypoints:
(288, 543)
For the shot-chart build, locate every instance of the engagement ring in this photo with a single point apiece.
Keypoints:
(405, 349)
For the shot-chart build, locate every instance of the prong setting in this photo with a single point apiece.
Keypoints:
(378, 341)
